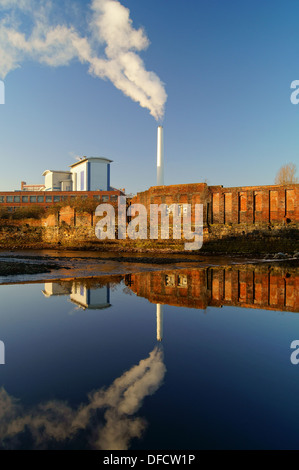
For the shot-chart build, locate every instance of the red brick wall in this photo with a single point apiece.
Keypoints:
(237, 205)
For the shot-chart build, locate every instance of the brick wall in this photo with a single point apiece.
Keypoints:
(238, 205)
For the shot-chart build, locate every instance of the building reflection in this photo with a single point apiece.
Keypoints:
(85, 297)
(262, 287)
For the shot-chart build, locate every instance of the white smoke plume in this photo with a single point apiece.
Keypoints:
(55, 420)
(58, 44)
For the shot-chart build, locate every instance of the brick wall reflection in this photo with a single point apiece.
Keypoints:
(271, 288)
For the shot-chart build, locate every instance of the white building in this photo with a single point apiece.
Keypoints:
(58, 180)
(90, 298)
(88, 174)
(85, 298)
(91, 174)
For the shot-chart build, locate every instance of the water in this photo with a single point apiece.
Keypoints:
(182, 359)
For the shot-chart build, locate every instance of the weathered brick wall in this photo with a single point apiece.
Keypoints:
(277, 204)
(67, 235)
(255, 204)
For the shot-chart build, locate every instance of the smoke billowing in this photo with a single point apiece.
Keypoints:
(57, 421)
(110, 48)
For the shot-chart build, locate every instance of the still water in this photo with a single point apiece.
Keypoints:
(183, 359)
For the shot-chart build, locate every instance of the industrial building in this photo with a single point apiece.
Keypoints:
(88, 174)
(88, 178)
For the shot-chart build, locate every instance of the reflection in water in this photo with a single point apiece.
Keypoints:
(249, 286)
(80, 294)
(57, 421)
(87, 297)
(159, 313)
(108, 418)
(262, 287)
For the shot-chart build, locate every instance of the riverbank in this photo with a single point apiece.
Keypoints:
(23, 266)
(257, 244)
(241, 239)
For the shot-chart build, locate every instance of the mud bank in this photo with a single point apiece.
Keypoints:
(27, 266)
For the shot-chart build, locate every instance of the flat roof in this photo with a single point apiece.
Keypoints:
(86, 159)
(54, 171)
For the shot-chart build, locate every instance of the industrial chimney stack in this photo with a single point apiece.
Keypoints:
(160, 157)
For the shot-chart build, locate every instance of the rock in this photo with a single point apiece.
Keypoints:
(280, 255)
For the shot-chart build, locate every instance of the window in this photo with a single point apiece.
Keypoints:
(56, 198)
(1, 198)
(169, 280)
(16, 199)
(25, 199)
(40, 198)
(32, 198)
(9, 198)
(113, 198)
(48, 198)
(105, 198)
(182, 280)
(179, 210)
(97, 196)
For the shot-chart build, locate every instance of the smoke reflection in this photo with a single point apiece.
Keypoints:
(57, 421)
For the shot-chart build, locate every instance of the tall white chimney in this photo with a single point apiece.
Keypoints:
(160, 157)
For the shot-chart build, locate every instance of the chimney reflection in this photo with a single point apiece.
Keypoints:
(159, 314)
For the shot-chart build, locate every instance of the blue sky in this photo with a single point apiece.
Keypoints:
(226, 67)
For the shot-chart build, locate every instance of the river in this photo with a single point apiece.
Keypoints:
(169, 358)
